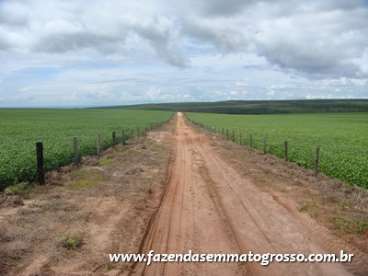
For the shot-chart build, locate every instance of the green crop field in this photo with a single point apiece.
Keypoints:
(20, 129)
(343, 138)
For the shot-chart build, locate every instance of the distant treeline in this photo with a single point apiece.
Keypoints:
(263, 107)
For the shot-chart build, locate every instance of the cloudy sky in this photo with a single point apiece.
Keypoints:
(87, 53)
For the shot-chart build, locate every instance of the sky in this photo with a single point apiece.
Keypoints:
(94, 53)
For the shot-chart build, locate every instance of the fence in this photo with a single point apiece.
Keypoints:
(125, 135)
(239, 137)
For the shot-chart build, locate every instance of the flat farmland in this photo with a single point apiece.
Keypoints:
(175, 189)
(342, 138)
(20, 129)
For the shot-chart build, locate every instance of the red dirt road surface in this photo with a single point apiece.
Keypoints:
(209, 208)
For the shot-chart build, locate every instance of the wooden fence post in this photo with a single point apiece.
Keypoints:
(76, 148)
(250, 140)
(317, 161)
(114, 138)
(98, 144)
(123, 136)
(40, 163)
(286, 150)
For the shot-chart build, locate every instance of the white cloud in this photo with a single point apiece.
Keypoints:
(162, 50)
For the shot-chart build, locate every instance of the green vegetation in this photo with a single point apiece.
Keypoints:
(351, 225)
(342, 137)
(72, 242)
(264, 107)
(86, 178)
(105, 161)
(20, 129)
(21, 189)
(311, 208)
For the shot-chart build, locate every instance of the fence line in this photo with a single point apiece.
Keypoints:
(126, 134)
(229, 134)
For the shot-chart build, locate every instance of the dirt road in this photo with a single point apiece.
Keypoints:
(209, 208)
